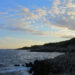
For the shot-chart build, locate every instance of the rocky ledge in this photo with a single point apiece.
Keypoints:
(61, 65)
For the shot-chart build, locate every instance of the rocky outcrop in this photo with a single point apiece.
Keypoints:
(61, 65)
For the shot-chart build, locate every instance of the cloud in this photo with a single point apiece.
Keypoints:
(60, 17)
(62, 14)
(41, 12)
(63, 34)
(3, 13)
(10, 42)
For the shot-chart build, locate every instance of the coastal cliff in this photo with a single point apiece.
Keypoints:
(63, 46)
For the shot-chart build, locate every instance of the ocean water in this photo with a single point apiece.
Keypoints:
(8, 58)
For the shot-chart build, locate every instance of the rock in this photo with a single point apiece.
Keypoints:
(29, 64)
(17, 65)
(57, 66)
(2, 65)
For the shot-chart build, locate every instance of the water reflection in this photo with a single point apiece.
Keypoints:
(11, 57)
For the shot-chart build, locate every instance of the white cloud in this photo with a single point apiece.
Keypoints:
(61, 15)
(41, 12)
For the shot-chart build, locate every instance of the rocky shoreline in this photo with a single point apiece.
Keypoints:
(61, 65)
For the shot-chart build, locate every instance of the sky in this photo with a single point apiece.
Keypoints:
(35, 22)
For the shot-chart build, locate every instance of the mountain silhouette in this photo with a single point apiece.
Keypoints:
(63, 46)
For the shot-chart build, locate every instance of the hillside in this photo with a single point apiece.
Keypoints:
(63, 46)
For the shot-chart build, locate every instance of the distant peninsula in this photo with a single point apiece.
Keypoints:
(63, 46)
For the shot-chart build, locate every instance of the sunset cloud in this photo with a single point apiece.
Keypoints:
(26, 22)
(12, 43)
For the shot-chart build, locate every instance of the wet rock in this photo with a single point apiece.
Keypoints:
(23, 65)
(57, 66)
(17, 65)
(29, 64)
(2, 65)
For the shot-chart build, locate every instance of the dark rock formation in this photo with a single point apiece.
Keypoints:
(64, 46)
(29, 64)
(61, 65)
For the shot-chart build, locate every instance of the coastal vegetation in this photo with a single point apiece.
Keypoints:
(63, 46)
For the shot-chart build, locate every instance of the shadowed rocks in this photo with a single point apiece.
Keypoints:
(29, 64)
(61, 65)
(19, 65)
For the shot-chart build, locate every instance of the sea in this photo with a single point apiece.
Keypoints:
(8, 58)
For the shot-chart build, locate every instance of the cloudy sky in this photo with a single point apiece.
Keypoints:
(30, 22)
